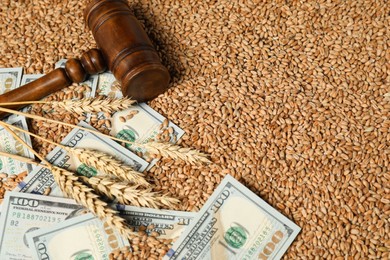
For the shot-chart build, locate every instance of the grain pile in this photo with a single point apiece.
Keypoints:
(291, 98)
(9, 182)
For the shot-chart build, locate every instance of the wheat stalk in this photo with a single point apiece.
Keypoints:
(164, 149)
(22, 159)
(36, 136)
(176, 152)
(22, 103)
(6, 126)
(129, 194)
(86, 105)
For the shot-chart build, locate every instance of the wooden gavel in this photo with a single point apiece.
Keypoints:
(123, 46)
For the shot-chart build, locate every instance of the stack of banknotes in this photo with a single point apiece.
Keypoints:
(233, 224)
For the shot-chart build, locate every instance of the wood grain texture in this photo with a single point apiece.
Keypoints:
(127, 49)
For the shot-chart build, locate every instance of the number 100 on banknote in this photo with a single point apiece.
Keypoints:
(235, 224)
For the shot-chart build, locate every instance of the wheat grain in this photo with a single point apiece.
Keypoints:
(151, 247)
(274, 92)
(8, 182)
(11, 184)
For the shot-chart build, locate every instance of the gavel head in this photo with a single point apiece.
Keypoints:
(126, 48)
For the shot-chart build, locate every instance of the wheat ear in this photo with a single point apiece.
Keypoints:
(176, 152)
(85, 105)
(92, 105)
(73, 188)
(99, 160)
(163, 149)
(129, 194)
(109, 165)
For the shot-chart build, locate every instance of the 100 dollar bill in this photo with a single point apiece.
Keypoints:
(235, 224)
(79, 138)
(170, 224)
(10, 145)
(28, 78)
(82, 237)
(41, 179)
(10, 79)
(23, 213)
(138, 123)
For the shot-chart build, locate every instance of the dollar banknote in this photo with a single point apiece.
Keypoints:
(10, 79)
(28, 78)
(60, 63)
(9, 144)
(170, 224)
(235, 224)
(79, 138)
(41, 179)
(138, 123)
(24, 213)
(82, 237)
(108, 86)
(90, 83)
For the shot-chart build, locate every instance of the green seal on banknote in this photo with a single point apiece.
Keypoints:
(236, 236)
(128, 135)
(83, 256)
(86, 171)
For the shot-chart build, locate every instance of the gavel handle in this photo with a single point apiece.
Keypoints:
(36, 90)
(75, 70)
